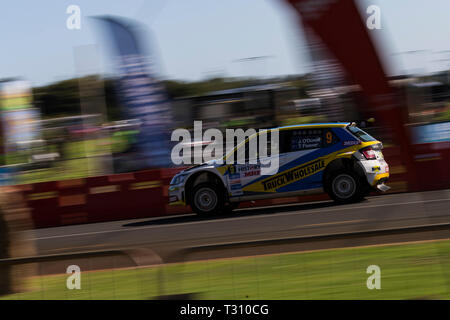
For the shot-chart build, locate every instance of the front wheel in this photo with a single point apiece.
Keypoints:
(206, 199)
(345, 187)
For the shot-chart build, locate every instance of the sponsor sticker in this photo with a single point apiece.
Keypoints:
(306, 142)
(236, 189)
(236, 186)
(234, 181)
(351, 142)
(248, 167)
(293, 175)
(235, 176)
(251, 173)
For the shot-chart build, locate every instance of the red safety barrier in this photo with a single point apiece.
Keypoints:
(72, 201)
(145, 195)
(431, 161)
(43, 199)
(104, 197)
(96, 199)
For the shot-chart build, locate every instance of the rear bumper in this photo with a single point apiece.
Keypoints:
(380, 179)
(382, 187)
(375, 171)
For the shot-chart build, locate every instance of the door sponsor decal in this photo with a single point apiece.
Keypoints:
(287, 177)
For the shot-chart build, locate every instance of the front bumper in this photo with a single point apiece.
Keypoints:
(176, 195)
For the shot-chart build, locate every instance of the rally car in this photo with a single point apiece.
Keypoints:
(337, 158)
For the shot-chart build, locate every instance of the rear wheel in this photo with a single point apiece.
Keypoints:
(207, 199)
(345, 187)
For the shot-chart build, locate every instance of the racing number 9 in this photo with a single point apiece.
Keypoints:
(329, 137)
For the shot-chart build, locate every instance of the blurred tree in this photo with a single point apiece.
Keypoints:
(62, 98)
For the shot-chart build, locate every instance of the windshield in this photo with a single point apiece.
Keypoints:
(236, 145)
(269, 146)
(360, 134)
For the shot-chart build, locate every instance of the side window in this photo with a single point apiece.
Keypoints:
(306, 139)
(284, 141)
(314, 138)
(296, 140)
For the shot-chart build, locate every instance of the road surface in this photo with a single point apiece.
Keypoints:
(294, 220)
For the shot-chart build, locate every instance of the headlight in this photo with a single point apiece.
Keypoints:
(178, 179)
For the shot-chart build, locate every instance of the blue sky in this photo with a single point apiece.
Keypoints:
(198, 38)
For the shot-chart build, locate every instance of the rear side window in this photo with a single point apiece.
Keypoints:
(306, 139)
(360, 134)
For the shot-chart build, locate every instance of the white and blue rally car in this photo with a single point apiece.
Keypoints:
(337, 158)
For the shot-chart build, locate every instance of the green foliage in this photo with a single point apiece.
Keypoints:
(444, 115)
(63, 98)
(178, 89)
(302, 120)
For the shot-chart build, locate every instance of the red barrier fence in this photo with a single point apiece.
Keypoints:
(97, 199)
(431, 160)
(145, 193)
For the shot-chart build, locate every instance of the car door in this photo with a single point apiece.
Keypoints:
(301, 162)
(256, 166)
(297, 162)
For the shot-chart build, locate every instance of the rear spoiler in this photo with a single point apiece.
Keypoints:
(362, 123)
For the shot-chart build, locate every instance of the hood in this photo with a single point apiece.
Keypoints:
(204, 164)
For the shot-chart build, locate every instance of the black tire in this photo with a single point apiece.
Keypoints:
(344, 186)
(207, 199)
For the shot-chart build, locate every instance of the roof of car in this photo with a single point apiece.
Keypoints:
(317, 125)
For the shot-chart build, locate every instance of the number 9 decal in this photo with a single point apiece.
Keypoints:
(329, 137)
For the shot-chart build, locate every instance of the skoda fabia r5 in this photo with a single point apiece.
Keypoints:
(337, 158)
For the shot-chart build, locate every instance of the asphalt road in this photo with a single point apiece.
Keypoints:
(319, 218)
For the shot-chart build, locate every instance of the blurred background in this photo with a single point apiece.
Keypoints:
(265, 69)
(91, 91)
